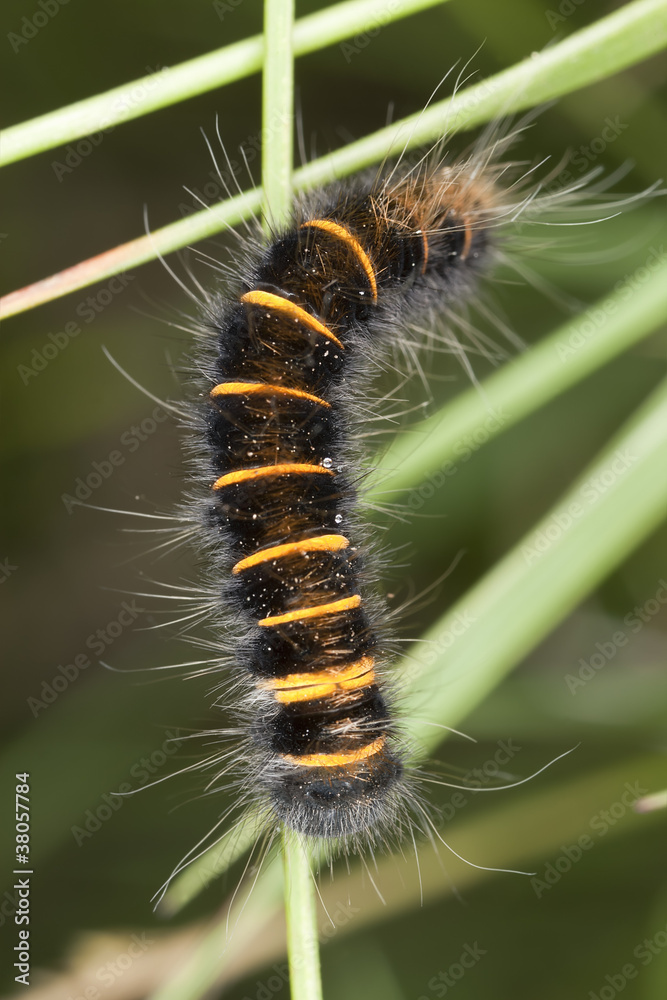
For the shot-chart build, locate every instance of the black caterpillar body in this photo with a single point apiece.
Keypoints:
(326, 752)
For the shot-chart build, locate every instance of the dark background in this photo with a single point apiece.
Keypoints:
(74, 569)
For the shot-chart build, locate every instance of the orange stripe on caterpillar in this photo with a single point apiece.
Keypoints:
(320, 609)
(263, 389)
(282, 305)
(344, 234)
(355, 669)
(337, 759)
(467, 229)
(424, 237)
(243, 475)
(321, 543)
(321, 683)
(319, 691)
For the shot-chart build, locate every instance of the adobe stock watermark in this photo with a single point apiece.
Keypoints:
(108, 973)
(476, 778)
(130, 441)
(606, 650)
(87, 312)
(224, 7)
(340, 915)
(6, 569)
(142, 772)
(434, 648)
(595, 318)
(266, 989)
(644, 952)
(441, 984)
(582, 158)
(589, 493)
(97, 643)
(464, 449)
(9, 904)
(566, 8)
(77, 152)
(31, 25)
(599, 826)
(275, 983)
(351, 47)
(586, 154)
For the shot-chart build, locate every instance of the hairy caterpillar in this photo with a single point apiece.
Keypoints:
(72, 393)
(296, 341)
(328, 756)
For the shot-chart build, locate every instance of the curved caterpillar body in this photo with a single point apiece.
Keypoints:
(318, 304)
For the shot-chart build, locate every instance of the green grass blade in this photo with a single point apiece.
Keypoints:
(469, 650)
(524, 827)
(562, 359)
(627, 36)
(301, 916)
(168, 86)
(277, 114)
(218, 859)
(635, 32)
(530, 826)
(229, 935)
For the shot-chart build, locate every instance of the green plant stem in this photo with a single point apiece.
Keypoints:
(525, 824)
(477, 642)
(232, 845)
(277, 113)
(227, 947)
(581, 540)
(635, 32)
(609, 327)
(168, 86)
(277, 144)
(229, 935)
(301, 916)
(629, 35)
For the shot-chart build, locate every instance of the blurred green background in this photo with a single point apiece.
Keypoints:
(68, 571)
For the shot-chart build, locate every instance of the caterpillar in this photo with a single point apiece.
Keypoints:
(277, 438)
(284, 499)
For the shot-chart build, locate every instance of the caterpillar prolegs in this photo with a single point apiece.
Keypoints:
(295, 344)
